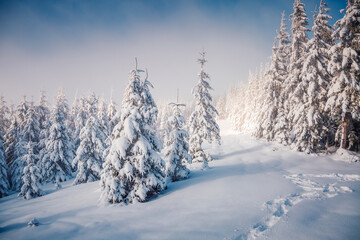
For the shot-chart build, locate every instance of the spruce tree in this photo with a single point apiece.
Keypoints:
(22, 109)
(297, 52)
(43, 112)
(80, 120)
(133, 168)
(269, 109)
(59, 148)
(29, 133)
(202, 123)
(112, 114)
(102, 116)
(344, 65)
(236, 103)
(259, 98)
(276, 124)
(177, 148)
(4, 120)
(92, 105)
(4, 182)
(72, 116)
(17, 164)
(89, 155)
(31, 175)
(164, 128)
(220, 106)
(31, 129)
(252, 95)
(11, 138)
(309, 122)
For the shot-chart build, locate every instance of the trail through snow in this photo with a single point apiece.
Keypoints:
(277, 208)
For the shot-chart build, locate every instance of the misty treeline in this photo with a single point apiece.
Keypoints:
(94, 140)
(301, 97)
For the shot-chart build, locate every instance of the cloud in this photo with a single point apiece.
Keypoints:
(98, 59)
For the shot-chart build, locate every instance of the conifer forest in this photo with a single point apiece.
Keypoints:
(275, 156)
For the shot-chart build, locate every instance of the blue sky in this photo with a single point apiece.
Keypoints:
(91, 45)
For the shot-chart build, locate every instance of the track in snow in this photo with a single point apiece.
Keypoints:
(312, 190)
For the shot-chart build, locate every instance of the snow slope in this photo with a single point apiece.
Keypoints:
(253, 190)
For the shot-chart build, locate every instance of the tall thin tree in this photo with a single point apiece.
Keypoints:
(202, 123)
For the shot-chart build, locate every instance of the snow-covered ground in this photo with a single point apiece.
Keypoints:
(253, 190)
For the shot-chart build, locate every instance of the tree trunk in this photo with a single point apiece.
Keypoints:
(347, 123)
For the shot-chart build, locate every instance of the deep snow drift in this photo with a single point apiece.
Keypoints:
(253, 190)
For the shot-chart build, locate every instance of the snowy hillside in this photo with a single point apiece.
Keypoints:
(253, 190)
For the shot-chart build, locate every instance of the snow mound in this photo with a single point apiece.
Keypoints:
(346, 156)
(33, 223)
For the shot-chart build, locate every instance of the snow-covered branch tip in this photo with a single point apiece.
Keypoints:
(146, 81)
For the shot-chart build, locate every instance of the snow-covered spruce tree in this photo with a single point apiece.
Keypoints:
(344, 65)
(259, 98)
(21, 111)
(177, 148)
(254, 96)
(275, 118)
(164, 128)
(72, 116)
(220, 106)
(236, 103)
(92, 104)
(11, 137)
(17, 164)
(90, 152)
(43, 112)
(56, 162)
(4, 182)
(113, 118)
(31, 175)
(250, 93)
(102, 116)
(258, 112)
(80, 120)
(133, 170)
(4, 120)
(31, 130)
(202, 123)
(232, 106)
(113, 115)
(89, 155)
(189, 109)
(268, 109)
(231, 101)
(297, 53)
(309, 122)
(29, 133)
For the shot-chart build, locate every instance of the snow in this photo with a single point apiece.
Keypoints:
(253, 190)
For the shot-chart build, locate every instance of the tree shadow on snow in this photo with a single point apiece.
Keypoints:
(14, 226)
(218, 172)
(238, 152)
(56, 218)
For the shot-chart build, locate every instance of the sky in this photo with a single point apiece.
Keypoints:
(90, 46)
